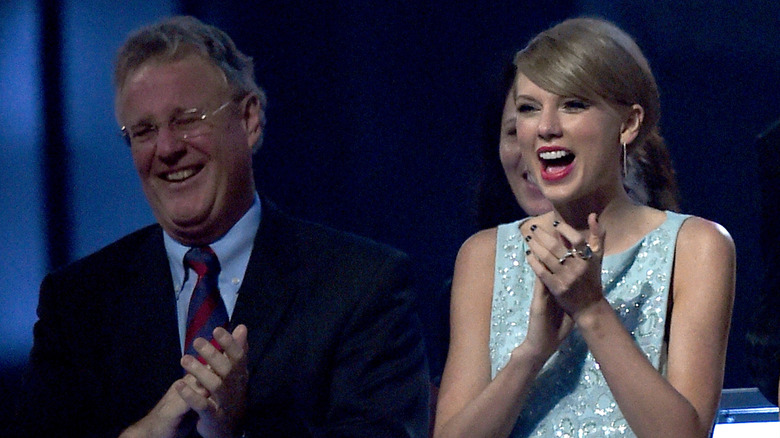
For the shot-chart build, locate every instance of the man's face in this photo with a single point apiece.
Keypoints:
(199, 186)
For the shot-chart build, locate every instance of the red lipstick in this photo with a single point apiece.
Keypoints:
(557, 162)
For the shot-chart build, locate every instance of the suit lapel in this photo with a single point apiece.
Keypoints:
(269, 287)
(147, 314)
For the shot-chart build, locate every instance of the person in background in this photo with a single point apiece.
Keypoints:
(497, 201)
(762, 358)
(763, 338)
(602, 316)
(227, 317)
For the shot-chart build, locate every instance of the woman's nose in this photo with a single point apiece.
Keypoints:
(549, 124)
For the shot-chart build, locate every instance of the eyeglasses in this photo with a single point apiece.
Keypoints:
(185, 125)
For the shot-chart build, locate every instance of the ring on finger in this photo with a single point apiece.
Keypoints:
(565, 256)
(585, 253)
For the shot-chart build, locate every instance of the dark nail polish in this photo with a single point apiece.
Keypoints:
(556, 223)
(527, 238)
(533, 227)
(528, 252)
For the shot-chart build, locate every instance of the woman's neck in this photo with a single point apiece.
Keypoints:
(606, 206)
(618, 215)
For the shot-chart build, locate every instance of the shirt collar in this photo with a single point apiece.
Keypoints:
(232, 249)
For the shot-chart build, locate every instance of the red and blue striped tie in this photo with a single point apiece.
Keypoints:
(207, 310)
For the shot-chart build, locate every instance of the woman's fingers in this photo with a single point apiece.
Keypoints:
(596, 234)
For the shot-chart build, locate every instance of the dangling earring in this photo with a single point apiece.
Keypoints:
(625, 158)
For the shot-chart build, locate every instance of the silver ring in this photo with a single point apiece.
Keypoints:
(584, 254)
(565, 256)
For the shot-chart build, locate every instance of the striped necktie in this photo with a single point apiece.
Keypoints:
(206, 310)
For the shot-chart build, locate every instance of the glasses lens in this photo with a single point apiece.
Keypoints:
(141, 133)
(186, 125)
(191, 123)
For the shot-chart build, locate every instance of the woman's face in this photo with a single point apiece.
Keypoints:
(572, 146)
(525, 190)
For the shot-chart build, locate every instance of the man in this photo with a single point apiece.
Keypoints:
(321, 338)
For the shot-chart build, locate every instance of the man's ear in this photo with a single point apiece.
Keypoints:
(253, 119)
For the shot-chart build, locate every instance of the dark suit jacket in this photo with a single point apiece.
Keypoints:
(334, 346)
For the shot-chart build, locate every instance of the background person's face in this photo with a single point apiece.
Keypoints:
(525, 190)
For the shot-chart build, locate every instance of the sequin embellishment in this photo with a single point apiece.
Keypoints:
(570, 397)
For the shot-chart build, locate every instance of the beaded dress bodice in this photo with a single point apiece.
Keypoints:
(570, 397)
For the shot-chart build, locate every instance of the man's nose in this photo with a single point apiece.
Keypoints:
(170, 144)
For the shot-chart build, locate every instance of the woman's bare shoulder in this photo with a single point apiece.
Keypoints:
(476, 258)
(705, 259)
(700, 235)
(480, 242)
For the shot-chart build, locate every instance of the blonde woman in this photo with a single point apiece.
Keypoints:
(604, 316)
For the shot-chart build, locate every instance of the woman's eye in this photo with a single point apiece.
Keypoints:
(525, 108)
(576, 105)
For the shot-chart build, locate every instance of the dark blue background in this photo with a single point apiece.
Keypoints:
(374, 123)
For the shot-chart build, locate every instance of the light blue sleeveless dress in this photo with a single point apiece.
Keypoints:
(570, 397)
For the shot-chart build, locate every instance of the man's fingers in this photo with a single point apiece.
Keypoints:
(204, 374)
(240, 334)
(235, 345)
(193, 383)
(195, 400)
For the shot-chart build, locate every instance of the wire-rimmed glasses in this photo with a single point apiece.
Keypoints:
(185, 125)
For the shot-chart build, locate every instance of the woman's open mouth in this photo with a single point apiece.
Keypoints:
(556, 162)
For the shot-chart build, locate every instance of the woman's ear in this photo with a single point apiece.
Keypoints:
(629, 130)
